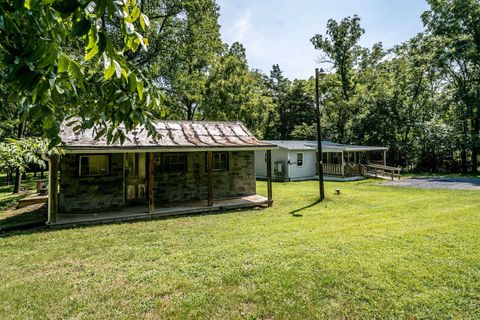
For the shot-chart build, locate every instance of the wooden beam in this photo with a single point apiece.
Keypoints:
(269, 177)
(384, 158)
(53, 190)
(210, 178)
(151, 181)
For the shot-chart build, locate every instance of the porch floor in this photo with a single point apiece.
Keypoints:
(141, 212)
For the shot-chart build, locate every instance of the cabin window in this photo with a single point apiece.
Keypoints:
(174, 162)
(97, 165)
(220, 161)
(300, 159)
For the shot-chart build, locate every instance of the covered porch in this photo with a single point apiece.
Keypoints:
(351, 161)
(142, 212)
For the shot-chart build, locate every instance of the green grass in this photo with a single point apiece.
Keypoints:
(7, 199)
(372, 252)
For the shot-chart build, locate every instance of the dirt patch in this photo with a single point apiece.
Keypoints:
(437, 183)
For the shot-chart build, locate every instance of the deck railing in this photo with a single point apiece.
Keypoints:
(332, 169)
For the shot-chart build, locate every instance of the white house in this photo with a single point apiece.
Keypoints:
(297, 160)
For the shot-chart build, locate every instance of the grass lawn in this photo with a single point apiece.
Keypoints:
(372, 252)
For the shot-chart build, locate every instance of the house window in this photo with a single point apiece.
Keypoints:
(220, 161)
(174, 162)
(97, 165)
(300, 159)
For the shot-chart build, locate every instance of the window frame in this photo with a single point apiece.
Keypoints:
(218, 153)
(302, 160)
(171, 154)
(80, 157)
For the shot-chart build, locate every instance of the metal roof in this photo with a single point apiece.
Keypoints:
(327, 146)
(174, 135)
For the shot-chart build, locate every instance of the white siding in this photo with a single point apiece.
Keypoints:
(261, 165)
(308, 170)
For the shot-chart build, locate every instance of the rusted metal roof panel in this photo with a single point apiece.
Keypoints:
(173, 134)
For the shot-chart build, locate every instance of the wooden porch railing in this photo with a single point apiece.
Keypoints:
(332, 169)
(383, 171)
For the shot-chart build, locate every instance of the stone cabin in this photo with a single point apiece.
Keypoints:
(193, 167)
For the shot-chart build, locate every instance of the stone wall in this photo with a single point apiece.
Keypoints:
(177, 187)
(93, 194)
(90, 194)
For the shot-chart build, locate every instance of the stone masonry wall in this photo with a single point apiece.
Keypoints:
(93, 194)
(177, 187)
(89, 194)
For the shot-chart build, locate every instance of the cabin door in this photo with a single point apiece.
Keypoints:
(135, 178)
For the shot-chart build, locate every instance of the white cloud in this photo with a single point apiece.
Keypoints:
(241, 27)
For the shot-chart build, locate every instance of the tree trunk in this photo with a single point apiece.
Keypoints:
(475, 145)
(18, 173)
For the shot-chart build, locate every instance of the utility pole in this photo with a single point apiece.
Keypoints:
(319, 136)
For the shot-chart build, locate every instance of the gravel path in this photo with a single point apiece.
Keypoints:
(437, 183)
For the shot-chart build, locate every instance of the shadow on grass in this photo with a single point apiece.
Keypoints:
(36, 227)
(25, 219)
(295, 213)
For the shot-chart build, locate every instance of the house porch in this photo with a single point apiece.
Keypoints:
(142, 212)
(350, 164)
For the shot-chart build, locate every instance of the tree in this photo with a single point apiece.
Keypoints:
(276, 126)
(233, 92)
(186, 52)
(18, 155)
(455, 24)
(60, 57)
(340, 48)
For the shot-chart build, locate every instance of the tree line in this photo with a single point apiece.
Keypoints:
(130, 62)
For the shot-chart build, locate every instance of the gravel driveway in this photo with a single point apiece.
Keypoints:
(437, 183)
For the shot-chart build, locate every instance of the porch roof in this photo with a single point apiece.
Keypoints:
(327, 146)
(174, 136)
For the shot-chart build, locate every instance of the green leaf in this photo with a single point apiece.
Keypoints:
(140, 89)
(109, 71)
(118, 69)
(90, 54)
(63, 63)
(92, 48)
(144, 21)
(135, 14)
(75, 72)
(27, 4)
(132, 82)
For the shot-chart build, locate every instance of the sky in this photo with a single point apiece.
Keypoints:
(279, 31)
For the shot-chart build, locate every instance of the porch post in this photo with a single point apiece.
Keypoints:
(269, 177)
(209, 174)
(53, 190)
(384, 158)
(151, 181)
(343, 164)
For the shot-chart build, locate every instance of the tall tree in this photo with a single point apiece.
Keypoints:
(340, 48)
(456, 26)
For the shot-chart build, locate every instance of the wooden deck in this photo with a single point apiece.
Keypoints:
(382, 171)
(141, 212)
